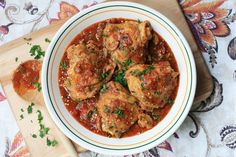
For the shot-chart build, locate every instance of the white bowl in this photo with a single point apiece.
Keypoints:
(79, 134)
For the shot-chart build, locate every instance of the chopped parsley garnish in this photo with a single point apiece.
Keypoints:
(34, 136)
(120, 77)
(126, 63)
(30, 108)
(47, 40)
(89, 114)
(63, 65)
(145, 71)
(116, 28)
(156, 117)
(111, 127)
(104, 88)
(51, 142)
(171, 101)
(104, 75)
(119, 134)
(142, 86)
(166, 98)
(27, 39)
(95, 110)
(139, 21)
(106, 109)
(22, 110)
(78, 101)
(133, 72)
(156, 93)
(40, 117)
(122, 48)
(37, 52)
(16, 59)
(43, 130)
(119, 112)
(21, 116)
(37, 85)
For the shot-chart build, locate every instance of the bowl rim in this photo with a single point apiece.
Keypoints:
(178, 121)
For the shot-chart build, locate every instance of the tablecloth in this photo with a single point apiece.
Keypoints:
(209, 130)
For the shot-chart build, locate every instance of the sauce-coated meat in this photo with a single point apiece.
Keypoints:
(117, 108)
(152, 84)
(87, 70)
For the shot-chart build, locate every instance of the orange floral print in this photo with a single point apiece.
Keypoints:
(16, 148)
(66, 10)
(207, 20)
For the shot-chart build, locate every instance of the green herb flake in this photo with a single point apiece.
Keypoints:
(22, 110)
(63, 65)
(34, 136)
(27, 39)
(37, 85)
(30, 108)
(126, 63)
(52, 143)
(171, 101)
(104, 75)
(106, 109)
(40, 117)
(133, 72)
(21, 117)
(116, 28)
(122, 48)
(47, 40)
(37, 52)
(95, 110)
(156, 117)
(104, 88)
(89, 114)
(139, 21)
(119, 112)
(145, 71)
(43, 130)
(16, 59)
(156, 93)
(120, 77)
(119, 134)
(142, 86)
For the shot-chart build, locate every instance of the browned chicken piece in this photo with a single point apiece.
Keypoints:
(145, 121)
(127, 40)
(153, 84)
(88, 69)
(117, 108)
(26, 81)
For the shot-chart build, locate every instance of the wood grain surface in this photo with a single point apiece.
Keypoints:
(19, 48)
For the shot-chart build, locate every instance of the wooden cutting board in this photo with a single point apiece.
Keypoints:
(19, 48)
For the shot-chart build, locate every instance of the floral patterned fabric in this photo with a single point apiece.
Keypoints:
(209, 130)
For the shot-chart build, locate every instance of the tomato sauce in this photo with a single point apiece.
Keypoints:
(25, 76)
(79, 110)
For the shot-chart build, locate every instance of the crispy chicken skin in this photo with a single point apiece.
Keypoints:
(117, 108)
(88, 69)
(153, 84)
(127, 40)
